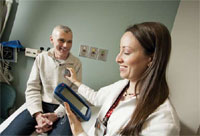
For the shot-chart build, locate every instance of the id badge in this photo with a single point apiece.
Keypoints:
(100, 128)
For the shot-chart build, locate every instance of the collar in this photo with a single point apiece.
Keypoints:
(68, 61)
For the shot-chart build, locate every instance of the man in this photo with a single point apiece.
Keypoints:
(44, 114)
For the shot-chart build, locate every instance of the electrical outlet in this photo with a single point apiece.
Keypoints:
(31, 52)
(102, 54)
(93, 53)
(84, 49)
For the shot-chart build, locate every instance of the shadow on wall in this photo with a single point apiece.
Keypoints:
(10, 22)
(186, 131)
(198, 131)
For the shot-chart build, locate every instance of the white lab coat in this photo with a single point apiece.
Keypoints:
(163, 122)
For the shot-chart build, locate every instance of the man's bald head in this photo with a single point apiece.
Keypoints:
(66, 29)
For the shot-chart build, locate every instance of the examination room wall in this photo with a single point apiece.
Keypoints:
(183, 72)
(95, 23)
(101, 24)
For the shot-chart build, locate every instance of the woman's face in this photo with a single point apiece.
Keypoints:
(131, 58)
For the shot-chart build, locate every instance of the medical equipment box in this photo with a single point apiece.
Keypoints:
(63, 93)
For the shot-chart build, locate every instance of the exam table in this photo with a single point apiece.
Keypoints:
(86, 124)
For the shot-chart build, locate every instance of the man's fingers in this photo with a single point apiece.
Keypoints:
(43, 130)
(45, 124)
(47, 119)
(39, 131)
(47, 128)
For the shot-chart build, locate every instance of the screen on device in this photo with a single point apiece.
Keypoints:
(75, 101)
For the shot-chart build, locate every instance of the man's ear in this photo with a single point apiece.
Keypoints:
(51, 39)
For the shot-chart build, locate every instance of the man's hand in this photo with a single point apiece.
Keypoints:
(51, 116)
(43, 123)
(75, 124)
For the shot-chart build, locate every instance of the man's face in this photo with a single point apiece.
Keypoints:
(62, 43)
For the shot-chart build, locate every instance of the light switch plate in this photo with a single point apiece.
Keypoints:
(31, 52)
(93, 53)
(84, 50)
(102, 54)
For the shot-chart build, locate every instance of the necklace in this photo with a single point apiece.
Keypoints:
(129, 94)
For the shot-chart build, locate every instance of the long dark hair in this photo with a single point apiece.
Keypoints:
(155, 38)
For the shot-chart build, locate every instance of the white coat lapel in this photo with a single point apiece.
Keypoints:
(115, 91)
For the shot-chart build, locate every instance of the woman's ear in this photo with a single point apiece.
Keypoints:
(150, 61)
(149, 64)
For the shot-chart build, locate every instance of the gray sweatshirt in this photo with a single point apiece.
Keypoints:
(46, 74)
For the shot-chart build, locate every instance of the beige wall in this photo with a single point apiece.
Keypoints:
(183, 72)
(199, 65)
(199, 68)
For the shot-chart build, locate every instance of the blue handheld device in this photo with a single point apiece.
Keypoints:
(64, 93)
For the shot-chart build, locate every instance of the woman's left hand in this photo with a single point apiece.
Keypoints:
(72, 77)
(75, 124)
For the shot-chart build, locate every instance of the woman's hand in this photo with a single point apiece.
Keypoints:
(75, 124)
(73, 77)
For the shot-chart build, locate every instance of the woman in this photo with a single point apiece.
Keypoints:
(139, 104)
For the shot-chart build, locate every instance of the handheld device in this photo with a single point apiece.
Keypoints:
(67, 73)
(64, 93)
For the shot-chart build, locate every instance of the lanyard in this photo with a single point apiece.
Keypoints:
(110, 111)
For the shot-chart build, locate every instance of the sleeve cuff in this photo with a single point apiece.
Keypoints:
(81, 88)
(60, 111)
(34, 109)
(83, 134)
